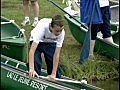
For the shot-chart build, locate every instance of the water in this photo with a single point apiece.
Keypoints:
(107, 85)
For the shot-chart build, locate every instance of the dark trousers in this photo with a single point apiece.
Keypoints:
(104, 27)
(48, 49)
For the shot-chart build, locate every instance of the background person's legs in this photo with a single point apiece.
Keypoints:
(94, 30)
(109, 39)
(36, 12)
(26, 12)
(105, 27)
(92, 44)
(26, 8)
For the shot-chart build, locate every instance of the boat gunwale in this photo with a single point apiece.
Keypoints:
(85, 30)
(17, 26)
(16, 61)
(25, 73)
(40, 80)
(8, 20)
(17, 39)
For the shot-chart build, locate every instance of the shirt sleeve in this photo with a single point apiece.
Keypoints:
(38, 32)
(60, 39)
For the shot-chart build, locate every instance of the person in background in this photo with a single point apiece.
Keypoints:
(100, 21)
(26, 11)
(47, 38)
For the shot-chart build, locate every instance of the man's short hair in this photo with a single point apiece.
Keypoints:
(57, 20)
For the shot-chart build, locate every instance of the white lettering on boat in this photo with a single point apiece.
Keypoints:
(26, 81)
(12, 76)
(37, 85)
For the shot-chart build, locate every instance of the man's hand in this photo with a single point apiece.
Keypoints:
(32, 74)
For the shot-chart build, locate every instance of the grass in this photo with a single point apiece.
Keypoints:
(101, 69)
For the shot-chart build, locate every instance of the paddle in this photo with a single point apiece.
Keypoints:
(73, 81)
(68, 14)
(86, 45)
(65, 80)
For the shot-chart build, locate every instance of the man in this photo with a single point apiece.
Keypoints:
(100, 20)
(47, 38)
(27, 11)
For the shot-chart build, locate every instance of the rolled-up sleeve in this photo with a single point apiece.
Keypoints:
(60, 39)
(37, 33)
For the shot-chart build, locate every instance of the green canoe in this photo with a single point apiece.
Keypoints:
(14, 76)
(79, 32)
(13, 40)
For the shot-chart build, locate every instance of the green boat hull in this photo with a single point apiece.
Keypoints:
(14, 76)
(79, 33)
(13, 42)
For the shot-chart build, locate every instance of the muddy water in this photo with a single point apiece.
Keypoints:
(107, 85)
